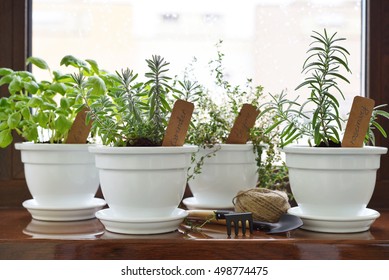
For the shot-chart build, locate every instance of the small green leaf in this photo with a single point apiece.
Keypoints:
(26, 113)
(30, 132)
(3, 126)
(5, 138)
(5, 71)
(38, 62)
(73, 61)
(15, 85)
(64, 103)
(94, 65)
(339, 76)
(42, 119)
(32, 87)
(14, 120)
(380, 128)
(59, 88)
(35, 102)
(273, 126)
(62, 124)
(49, 106)
(4, 103)
(97, 86)
(5, 80)
(382, 113)
(3, 116)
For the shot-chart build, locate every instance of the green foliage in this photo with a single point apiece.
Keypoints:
(215, 115)
(377, 112)
(322, 125)
(132, 113)
(43, 111)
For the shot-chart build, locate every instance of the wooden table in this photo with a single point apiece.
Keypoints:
(24, 238)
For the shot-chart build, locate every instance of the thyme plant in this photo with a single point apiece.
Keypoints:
(213, 121)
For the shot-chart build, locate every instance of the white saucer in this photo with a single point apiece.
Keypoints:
(141, 225)
(68, 213)
(359, 223)
(192, 204)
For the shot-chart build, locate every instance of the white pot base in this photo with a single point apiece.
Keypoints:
(192, 204)
(71, 213)
(141, 225)
(359, 223)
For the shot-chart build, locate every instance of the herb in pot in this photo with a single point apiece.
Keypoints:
(214, 120)
(322, 125)
(39, 111)
(132, 113)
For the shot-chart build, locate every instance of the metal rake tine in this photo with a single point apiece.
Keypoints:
(247, 217)
(231, 219)
(235, 218)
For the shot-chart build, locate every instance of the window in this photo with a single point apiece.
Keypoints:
(262, 39)
(15, 19)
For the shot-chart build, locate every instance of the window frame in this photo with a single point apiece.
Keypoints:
(16, 44)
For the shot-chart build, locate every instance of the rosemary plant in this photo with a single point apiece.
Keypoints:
(133, 113)
(322, 124)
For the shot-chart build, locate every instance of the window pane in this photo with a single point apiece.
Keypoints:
(262, 39)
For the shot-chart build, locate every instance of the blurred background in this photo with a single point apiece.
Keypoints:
(265, 40)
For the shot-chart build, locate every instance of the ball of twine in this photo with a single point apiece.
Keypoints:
(265, 205)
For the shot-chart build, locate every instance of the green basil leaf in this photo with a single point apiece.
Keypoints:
(97, 86)
(32, 87)
(94, 65)
(5, 71)
(5, 138)
(15, 85)
(64, 103)
(35, 102)
(42, 119)
(62, 124)
(58, 87)
(73, 61)
(30, 132)
(6, 80)
(26, 113)
(14, 120)
(37, 62)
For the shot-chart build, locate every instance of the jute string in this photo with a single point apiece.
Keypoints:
(265, 205)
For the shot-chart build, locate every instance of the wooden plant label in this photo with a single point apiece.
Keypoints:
(240, 131)
(358, 122)
(78, 133)
(178, 124)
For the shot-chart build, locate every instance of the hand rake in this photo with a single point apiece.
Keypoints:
(286, 222)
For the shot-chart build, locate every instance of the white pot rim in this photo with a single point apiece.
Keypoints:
(305, 149)
(232, 147)
(31, 146)
(101, 149)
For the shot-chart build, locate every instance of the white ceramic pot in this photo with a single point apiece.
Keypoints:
(233, 168)
(143, 182)
(332, 182)
(59, 175)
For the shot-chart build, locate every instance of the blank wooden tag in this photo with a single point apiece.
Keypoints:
(78, 133)
(240, 131)
(178, 124)
(358, 122)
